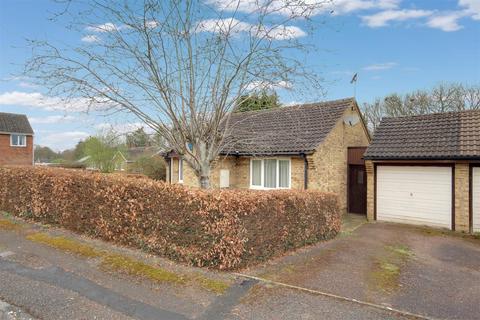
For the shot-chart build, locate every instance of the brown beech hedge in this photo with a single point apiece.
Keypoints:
(224, 229)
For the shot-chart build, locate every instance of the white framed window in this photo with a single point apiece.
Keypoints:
(180, 170)
(18, 140)
(270, 173)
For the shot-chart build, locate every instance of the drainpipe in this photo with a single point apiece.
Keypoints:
(305, 171)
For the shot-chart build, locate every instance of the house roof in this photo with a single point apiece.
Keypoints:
(14, 123)
(451, 135)
(135, 153)
(285, 130)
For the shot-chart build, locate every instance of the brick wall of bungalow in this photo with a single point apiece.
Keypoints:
(15, 156)
(327, 167)
(239, 168)
(462, 194)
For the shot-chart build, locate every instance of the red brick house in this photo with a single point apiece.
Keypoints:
(16, 140)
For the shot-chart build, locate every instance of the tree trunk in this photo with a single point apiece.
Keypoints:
(204, 176)
(204, 182)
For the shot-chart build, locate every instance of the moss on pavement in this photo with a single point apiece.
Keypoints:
(114, 262)
(385, 275)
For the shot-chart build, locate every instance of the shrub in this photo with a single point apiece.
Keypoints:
(225, 229)
(152, 167)
(68, 165)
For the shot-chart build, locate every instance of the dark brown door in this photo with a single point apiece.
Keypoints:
(357, 189)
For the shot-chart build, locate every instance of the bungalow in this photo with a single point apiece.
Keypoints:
(16, 140)
(313, 146)
(425, 170)
(125, 160)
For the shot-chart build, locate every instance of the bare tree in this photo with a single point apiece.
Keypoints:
(180, 66)
(442, 98)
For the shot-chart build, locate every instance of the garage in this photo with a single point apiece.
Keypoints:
(476, 199)
(419, 195)
(425, 170)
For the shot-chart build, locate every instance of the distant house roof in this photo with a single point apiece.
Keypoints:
(285, 130)
(134, 153)
(451, 135)
(14, 123)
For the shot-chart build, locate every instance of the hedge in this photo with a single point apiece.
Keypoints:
(224, 229)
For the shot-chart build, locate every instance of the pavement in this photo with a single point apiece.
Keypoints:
(383, 265)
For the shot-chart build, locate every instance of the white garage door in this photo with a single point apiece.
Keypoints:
(476, 198)
(415, 194)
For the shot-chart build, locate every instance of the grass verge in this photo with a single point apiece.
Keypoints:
(9, 225)
(113, 262)
(65, 244)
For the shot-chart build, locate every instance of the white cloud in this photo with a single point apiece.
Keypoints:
(260, 85)
(224, 26)
(447, 22)
(62, 140)
(50, 119)
(38, 100)
(232, 27)
(123, 128)
(349, 6)
(444, 20)
(105, 27)
(285, 33)
(380, 66)
(152, 24)
(302, 7)
(90, 38)
(472, 7)
(382, 19)
(292, 103)
(25, 84)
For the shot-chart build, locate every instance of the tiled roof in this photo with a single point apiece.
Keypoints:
(285, 130)
(451, 135)
(14, 123)
(134, 153)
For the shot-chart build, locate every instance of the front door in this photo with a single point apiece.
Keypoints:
(357, 189)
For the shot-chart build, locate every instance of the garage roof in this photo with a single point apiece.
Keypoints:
(14, 123)
(450, 135)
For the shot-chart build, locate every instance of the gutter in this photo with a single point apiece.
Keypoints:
(435, 158)
(305, 172)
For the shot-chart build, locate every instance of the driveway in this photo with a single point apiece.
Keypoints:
(420, 270)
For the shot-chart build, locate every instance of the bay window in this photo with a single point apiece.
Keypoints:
(270, 173)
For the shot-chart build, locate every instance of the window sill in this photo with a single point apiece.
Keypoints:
(264, 188)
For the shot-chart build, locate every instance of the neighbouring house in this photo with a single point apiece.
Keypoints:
(16, 140)
(313, 146)
(425, 170)
(125, 160)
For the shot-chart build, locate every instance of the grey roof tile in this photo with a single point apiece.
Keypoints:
(286, 130)
(450, 135)
(14, 123)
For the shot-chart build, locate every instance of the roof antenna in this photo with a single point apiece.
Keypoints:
(354, 82)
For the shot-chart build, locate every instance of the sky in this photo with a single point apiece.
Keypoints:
(394, 46)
